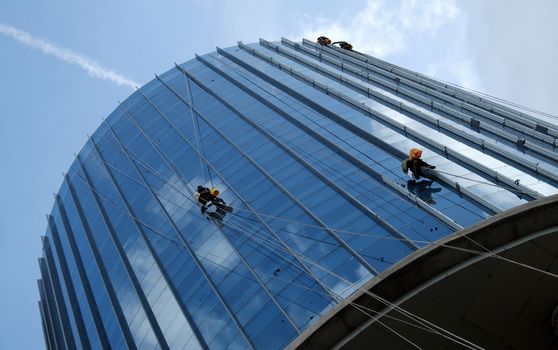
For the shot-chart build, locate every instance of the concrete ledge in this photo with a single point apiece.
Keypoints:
(427, 264)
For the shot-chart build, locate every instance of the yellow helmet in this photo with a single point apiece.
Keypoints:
(214, 192)
(415, 153)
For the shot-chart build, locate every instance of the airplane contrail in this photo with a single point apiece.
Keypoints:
(92, 68)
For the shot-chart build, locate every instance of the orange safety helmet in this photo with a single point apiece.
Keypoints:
(214, 192)
(415, 153)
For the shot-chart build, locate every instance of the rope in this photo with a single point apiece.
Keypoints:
(281, 248)
(398, 176)
(355, 305)
(290, 282)
(488, 254)
(171, 166)
(499, 99)
(206, 160)
(266, 243)
(311, 262)
(282, 101)
(355, 185)
(305, 116)
(510, 189)
(182, 246)
(381, 259)
(252, 236)
(162, 153)
(197, 133)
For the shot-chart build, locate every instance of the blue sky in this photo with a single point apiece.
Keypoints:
(81, 57)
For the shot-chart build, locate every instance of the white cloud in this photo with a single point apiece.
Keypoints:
(464, 71)
(457, 66)
(515, 49)
(425, 16)
(383, 28)
(92, 68)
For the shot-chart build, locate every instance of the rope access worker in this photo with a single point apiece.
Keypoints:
(207, 198)
(344, 45)
(415, 164)
(322, 40)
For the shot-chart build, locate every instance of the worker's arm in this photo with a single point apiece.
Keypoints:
(219, 200)
(426, 165)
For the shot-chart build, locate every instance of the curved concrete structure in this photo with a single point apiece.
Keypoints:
(488, 301)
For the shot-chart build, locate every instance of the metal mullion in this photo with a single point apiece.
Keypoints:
(262, 284)
(142, 233)
(185, 242)
(503, 122)
(53, 341)
(97, 320)
(78, 317)
(51, 308)
(507, 111)
(344, 154)
(326, 228)
(453, 91)
(364, 135)
(46, 329)
(389, 67)
(124, 259)
(355, 202)
(293, 253)
(366, 211)
(438, 91)
(325, 54)
(392, 124)
(442, 150)
(121, 320)
(229, 185)
(245, 202)
(57, 294)
(272, 297)
(458, 116)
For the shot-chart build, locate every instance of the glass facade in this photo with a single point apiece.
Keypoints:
(305, 143)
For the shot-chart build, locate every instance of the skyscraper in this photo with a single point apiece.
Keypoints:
(305, 143)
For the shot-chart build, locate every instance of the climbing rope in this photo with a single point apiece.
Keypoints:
(283, 101)
(266, 244)
(208, 165)
(510, 189)
(196, 128)
(207, 162)
(268, 237)
(487, 254)
(398, 175)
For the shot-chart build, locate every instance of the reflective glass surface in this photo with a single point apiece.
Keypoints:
(305, 145)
